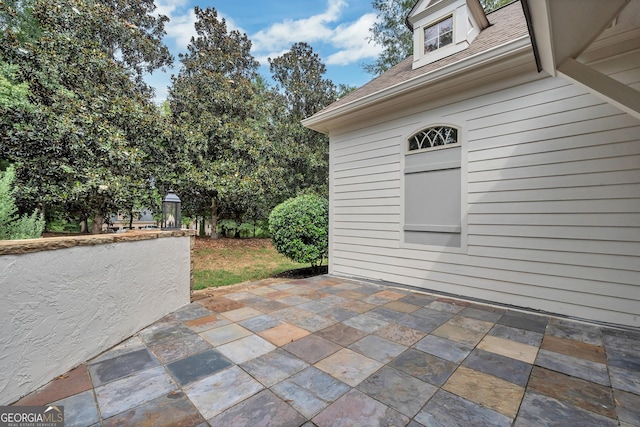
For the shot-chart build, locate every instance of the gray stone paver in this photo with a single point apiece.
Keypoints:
(373, 355)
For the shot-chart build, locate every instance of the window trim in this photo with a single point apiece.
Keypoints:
(437, 22)
(407, 140)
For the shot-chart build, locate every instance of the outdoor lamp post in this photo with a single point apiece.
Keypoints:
(171, 211)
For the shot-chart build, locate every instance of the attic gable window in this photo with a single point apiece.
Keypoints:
(436, 136)
(438, 35)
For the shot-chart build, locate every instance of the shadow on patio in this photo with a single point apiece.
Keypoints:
(328, 351)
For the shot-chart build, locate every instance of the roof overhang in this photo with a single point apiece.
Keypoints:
(561, 30)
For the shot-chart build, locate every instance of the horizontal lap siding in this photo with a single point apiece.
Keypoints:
(553, 205)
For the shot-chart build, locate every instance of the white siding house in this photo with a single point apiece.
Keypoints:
(472, 173)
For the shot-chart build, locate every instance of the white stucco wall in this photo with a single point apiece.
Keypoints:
(61, 307)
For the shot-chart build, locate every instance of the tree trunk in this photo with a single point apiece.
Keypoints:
(131, 218)
(84, 226)
(203, 232)
(214, 219)
(96, 228)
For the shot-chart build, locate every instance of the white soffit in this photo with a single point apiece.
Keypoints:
(564, 28)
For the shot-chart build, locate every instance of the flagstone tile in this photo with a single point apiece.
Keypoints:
(401, 334)
(80, 409)
(357, 409)
(170, 351)
(486, 390)
(198, 366)
(623, 351)
(366, 323)
(263, 409)
(584, 394)
(628, 407)
(508, 369)
(268, 306)
(73, 382)
(341, 334)
(401, 306)
(375, 299)
(312, 348)
(422, 323)
(357, 306)
(239, 296)
(315, 306)
(349, 366)
(526, 321)
(509, 348)
(386, 314)
(540, 410)
(625, 379)
(424, 366)
(277, 295)
(130, 345)
(225, 334)
(378, 348)
(126, 393)
(310, 391)
(445, 306)
(514, 334)
(294, 300)
(240, 314)
(153, 336)
(577, 331)
(352, 295)
(121, 366)
(192, 311)
(338, 314)
(283, 334)
(348, 286)
(437, 317)
(574, 366)
(207, 322)
(448, 410)
(290, 314)
(482, 314)
(463, 330)
(173, 409)
(574, 348)
(214, 394)
(313, 322)
(246, 348)
(402, 392)
(274, 367)
(390, 294)
(443, 348)
(220, 304)
(260, 323)
(418, 299)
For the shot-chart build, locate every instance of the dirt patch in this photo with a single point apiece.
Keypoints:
(303, 273)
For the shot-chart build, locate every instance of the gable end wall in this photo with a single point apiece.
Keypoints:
(550, 202)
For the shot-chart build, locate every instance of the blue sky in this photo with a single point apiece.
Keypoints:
(336, 29)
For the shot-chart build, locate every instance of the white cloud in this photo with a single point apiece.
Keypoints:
(348, 39)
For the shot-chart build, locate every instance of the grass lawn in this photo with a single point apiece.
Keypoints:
(223, 262)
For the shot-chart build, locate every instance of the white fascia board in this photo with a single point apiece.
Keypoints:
(466, 65)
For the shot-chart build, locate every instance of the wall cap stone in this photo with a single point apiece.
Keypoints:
(17, 247)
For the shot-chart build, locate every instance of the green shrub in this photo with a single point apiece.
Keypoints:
(13, 226)
(299, 229)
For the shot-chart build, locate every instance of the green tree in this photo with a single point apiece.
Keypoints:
(13, 226)
(391, 32)
(214, 106)
(303, 91)
(90, 144)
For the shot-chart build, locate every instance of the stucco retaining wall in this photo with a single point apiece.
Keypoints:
(65, 300)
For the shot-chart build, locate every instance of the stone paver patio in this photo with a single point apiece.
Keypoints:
(327, 351)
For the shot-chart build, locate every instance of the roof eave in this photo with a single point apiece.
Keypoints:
(321, 120)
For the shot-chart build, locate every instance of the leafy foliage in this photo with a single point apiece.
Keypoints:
(89, 146)
(12, 226)
(300, 229)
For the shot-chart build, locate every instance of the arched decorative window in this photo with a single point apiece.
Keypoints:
(435, 136)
